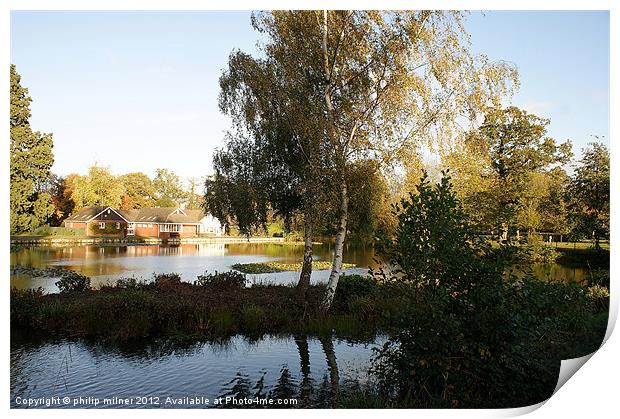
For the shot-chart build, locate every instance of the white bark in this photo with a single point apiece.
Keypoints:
(338, 249)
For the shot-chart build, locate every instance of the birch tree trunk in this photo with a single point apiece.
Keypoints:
(338, 248)
(344, 196)
(306, 268)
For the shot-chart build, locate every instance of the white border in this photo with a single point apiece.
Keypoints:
(592, 393)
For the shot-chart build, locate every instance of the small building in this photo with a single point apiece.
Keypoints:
(144, 222)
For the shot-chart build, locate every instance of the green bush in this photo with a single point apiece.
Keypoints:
(468, 336)
(48, 231)
(110, 228)
(223, 280)
(351, 288)
(166, 279)
(599, 295)
(599, 276)
(73, 282)
(253, 318)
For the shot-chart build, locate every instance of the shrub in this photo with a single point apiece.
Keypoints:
(131, 283)
(58, 231)
(223, 280)
(110, 228)
(599, 276)
(599, 295)
(43, 231)
(351, 288)
(469, 336)
(253, 318)
(72, 281)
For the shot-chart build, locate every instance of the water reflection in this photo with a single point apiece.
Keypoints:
(300, 368)
(106, 264)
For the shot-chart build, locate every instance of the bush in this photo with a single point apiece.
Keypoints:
(110, 228)
(72, 281)
(599, 296)
(253, 318)
(468, 336)
(599, 277)
(351, 288)
(223, 280)
(132, 283)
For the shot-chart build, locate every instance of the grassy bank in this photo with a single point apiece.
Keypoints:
(214, 306)
(217, 305)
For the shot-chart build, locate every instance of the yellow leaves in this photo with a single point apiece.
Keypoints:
(485, 353)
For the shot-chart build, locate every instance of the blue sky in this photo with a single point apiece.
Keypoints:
(138, 90)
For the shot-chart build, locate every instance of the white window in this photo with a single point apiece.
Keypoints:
(70, 225)
(150, 225)
(118, 226)
(171, 228)
(101, 226)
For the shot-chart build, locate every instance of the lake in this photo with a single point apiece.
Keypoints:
(106, 264)
(164, 374)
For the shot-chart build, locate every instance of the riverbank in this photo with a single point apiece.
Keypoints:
(553, 321)
(56, 241)
(215, 306)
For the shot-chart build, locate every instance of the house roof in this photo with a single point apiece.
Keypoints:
(85, 214)
(144, 215)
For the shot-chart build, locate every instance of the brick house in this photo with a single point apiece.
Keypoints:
(144, 222)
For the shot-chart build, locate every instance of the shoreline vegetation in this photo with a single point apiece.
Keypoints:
(275, 266)
(562, 321)
(215, 305)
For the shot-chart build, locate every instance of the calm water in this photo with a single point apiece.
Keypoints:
(308, 370)
(105, 264)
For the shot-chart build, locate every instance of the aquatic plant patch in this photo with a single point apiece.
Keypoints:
(272, 267)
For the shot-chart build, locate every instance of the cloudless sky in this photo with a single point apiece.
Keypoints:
(138, 90)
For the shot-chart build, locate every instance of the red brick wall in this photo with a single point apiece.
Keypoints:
(75, 224)
(189, 231)
(146, 231)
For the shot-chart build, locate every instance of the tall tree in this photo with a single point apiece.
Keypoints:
(355, 85)
(168, 188)
(272, 159)
(379, 82)
(98, 187)
(56, 186)
(589, 194)
(139, 191)
(31, 161)
(512, 145)
(554, 207)
(194, 199)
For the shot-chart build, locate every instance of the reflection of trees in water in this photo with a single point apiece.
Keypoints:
(306, 381)
(334, 377)
(288, 383)
(308, 393)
